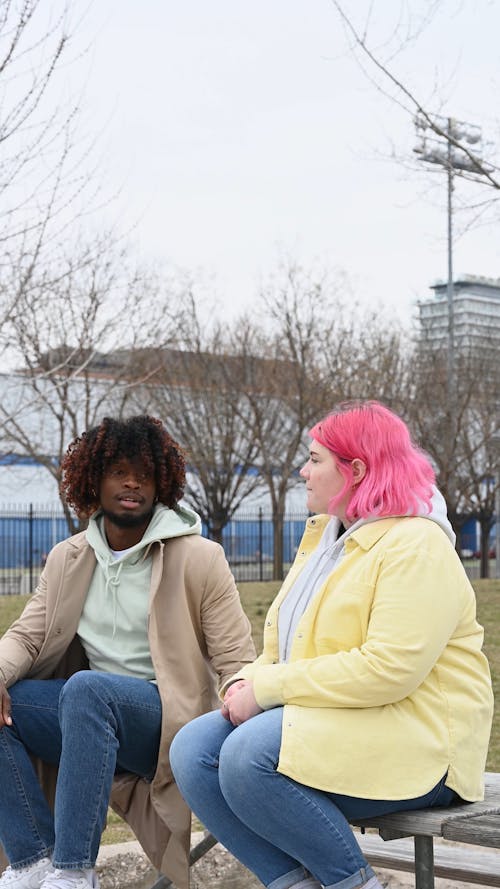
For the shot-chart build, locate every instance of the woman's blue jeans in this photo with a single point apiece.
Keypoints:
(280, 829)
(91, 725)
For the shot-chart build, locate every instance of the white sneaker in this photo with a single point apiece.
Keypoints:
(29, 877)
(70, 879)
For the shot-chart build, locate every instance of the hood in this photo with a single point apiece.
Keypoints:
(165, 524)
(438, 514)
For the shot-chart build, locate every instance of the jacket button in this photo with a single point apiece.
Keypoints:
(269, 623)
(58, 631)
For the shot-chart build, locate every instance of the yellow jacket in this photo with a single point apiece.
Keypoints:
(387, 688)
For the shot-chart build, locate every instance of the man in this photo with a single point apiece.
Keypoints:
(133, 623)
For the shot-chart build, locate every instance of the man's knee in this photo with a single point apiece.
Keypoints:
(78, 689)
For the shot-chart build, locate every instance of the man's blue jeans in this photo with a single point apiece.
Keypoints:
(92, 725)
(280, 829)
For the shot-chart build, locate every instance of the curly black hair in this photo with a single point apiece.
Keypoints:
(141, 438)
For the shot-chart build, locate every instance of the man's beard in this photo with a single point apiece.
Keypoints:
(126, 520)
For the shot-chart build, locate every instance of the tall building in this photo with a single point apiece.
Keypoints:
(475, 409)
(476, 313)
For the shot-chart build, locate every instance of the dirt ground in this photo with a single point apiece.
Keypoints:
(125, 865)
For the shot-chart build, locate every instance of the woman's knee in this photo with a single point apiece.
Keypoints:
(198, 743)
(250, 752)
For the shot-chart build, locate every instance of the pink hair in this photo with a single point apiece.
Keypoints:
(399, 477)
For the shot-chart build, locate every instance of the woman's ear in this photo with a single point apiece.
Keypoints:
(358, 470)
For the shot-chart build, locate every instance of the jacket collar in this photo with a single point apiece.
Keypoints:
(366, 536)
(77, 541)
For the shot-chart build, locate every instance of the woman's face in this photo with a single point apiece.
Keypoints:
(323, 480)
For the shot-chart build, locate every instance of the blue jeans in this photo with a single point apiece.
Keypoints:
(280, 829)
(92, 725)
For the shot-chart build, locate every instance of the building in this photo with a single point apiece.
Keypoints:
(476, 313)
(468, 383)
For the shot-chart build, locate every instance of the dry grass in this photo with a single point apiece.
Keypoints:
(488, 600)
(256, 598)
(10, 608)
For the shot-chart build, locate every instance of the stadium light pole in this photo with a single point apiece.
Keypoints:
(456, 146)
(437, 144)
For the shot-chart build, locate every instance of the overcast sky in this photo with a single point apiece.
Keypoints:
(239, 132)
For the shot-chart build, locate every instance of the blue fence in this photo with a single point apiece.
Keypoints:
(28, 533)
(248, 542)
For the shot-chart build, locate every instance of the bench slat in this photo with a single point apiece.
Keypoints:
(492, 783)
(454, 863)
(430, 822)
(483, 830)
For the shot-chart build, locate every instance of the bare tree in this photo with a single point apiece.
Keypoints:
(198, 393)
(366, 353)
(379, 63)
(33, 47)
(316, 348)
(77, 337)
(48, 179)
(481, 463)
(459, 429)
(290, 387)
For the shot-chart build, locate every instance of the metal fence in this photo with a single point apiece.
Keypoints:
(28, 533)
(473, 568)
(248, 542)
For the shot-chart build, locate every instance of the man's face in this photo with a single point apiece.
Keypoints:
(127, 493)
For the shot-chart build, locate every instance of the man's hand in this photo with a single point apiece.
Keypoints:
(5, 717)
(240, 703)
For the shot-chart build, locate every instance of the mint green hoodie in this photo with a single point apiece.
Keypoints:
(113, 628)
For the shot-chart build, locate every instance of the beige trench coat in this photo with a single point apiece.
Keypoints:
(199, 637)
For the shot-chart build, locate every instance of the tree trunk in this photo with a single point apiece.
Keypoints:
(457, 523)
(215, 533)
(278, 545)
(484, 526)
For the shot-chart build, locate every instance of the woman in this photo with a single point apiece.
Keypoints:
(371, 695)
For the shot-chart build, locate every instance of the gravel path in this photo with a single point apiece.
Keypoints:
(125, 866)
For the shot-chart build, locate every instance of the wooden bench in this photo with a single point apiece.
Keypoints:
(469, 823)
(475, 824)
(452, 862)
